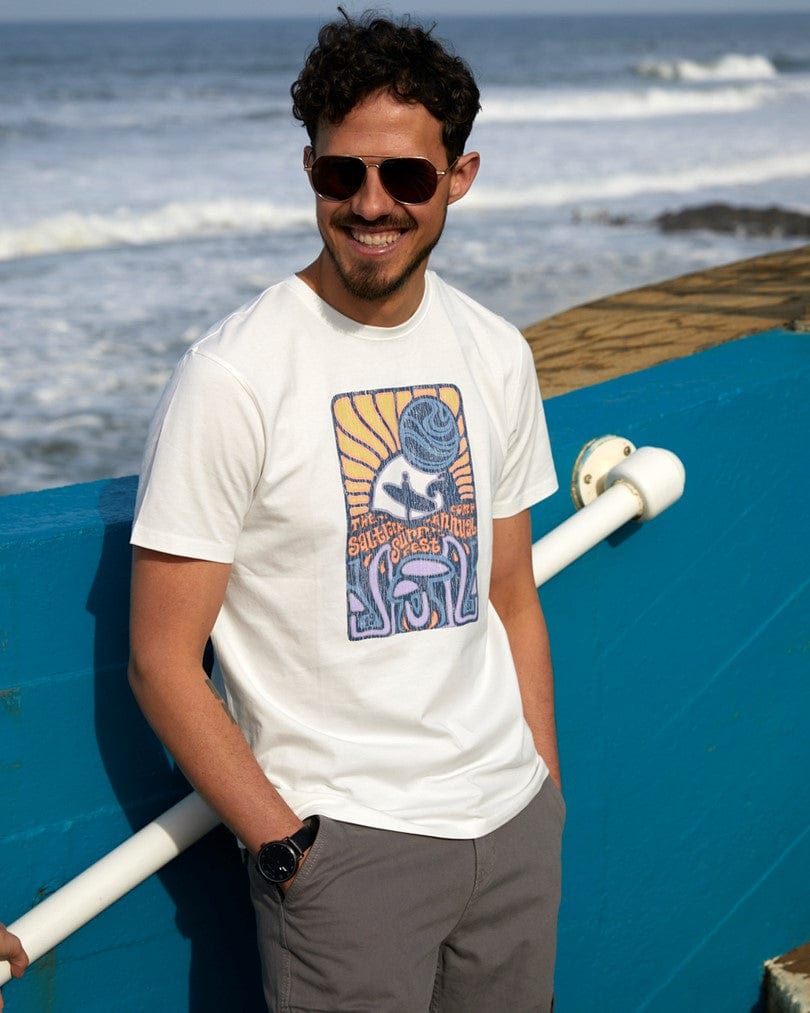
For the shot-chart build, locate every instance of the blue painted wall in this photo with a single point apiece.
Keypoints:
(683, 668)
(682, 650)
(80, 770)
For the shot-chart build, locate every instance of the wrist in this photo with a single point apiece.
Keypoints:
(279, 860)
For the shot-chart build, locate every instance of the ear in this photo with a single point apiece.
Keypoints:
(463, 174)
(309, 151)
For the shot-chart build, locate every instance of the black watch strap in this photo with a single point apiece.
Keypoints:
(304, 838)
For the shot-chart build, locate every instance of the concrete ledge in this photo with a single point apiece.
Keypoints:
(787, 982)
(634, 330)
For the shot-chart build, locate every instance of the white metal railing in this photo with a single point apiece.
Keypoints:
(105, 882)
(613, 482)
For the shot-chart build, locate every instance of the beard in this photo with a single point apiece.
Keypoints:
(369, 281)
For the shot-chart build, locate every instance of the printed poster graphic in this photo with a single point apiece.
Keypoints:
(412, 528)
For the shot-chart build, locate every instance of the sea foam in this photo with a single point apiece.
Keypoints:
(173, 222)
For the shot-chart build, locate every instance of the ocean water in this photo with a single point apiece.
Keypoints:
(150, 182)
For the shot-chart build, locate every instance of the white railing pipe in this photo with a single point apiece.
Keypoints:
(582, 531)
(95, 889)
(639, 487)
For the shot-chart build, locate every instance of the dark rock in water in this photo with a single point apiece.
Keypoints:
(767, 221)
(603, 218)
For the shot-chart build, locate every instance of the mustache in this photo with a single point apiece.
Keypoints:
(348, 220)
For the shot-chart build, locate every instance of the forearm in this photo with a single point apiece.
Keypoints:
(175, 603)
(514, 596)
(528, 639)
(193, 722)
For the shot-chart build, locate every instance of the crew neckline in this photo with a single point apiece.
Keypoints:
(353, 328)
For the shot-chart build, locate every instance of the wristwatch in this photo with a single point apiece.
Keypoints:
(278, 861)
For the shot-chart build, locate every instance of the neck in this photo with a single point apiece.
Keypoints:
(387, 311)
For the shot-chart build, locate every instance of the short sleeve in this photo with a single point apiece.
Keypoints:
(203, 460)
(528, 473)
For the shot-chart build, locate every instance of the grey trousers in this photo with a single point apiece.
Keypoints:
(384, 922)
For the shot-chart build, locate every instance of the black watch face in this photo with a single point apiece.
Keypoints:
(277, 862)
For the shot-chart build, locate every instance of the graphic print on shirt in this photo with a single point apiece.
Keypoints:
(412, 529)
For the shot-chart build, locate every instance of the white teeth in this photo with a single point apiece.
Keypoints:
(375, 238)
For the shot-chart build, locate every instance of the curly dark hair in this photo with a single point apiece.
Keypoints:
(355, 57)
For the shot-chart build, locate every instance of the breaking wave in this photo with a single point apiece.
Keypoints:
(89, 114)
(731, 67)
(174, 222)
(530, 106)
(624, 185)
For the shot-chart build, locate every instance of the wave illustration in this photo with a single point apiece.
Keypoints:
(731, 67)
(561, 192)
(73, 232)
(533, 106)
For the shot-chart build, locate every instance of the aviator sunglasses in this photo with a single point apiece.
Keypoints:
(406, 180)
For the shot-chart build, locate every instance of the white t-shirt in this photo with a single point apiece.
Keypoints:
(350, 475)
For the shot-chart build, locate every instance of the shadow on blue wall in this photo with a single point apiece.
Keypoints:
(207, 884)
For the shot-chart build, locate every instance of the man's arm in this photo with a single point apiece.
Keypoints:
(175, 602)
(513, 595)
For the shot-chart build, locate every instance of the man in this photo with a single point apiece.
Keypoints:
(336, 489)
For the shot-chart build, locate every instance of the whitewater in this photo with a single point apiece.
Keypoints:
(151, 182)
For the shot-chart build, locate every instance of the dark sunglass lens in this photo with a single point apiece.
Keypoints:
(409, 180)
(337, 177)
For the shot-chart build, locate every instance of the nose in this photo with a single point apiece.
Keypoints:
(372, 200)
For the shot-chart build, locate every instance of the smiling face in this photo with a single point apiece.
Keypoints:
(375, 251)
